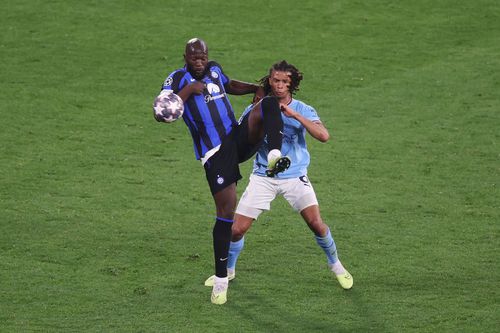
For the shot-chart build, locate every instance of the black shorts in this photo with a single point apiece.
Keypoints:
(222, 169)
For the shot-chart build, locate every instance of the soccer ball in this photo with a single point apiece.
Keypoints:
(168, 107)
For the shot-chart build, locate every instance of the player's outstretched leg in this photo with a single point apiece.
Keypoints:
(273, 129)
(276, 163)
(273, 123)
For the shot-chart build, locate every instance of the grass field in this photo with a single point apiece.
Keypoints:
(105, 215)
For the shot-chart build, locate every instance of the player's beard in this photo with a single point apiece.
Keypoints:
(198, 74)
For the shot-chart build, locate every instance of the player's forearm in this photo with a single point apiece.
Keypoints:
(184, 94)
(315, 129)
(193, 88)
(241, 88)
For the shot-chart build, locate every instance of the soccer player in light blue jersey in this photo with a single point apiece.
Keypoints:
(298, 119)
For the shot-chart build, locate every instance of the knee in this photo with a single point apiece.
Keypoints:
(237, 232)
(225, 209)
(225, 213)
(225, 202)
(317, 226)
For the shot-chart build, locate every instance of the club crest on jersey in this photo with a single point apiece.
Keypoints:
(214, 74)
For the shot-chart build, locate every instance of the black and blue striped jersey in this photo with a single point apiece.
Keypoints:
(209, 116)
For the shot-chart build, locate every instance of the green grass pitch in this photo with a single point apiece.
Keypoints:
(106, 217)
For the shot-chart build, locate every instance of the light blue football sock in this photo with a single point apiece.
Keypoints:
(328, 245)
(234, 251)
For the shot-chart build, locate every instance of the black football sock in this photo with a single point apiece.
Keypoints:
(222, 240)
(273, 123)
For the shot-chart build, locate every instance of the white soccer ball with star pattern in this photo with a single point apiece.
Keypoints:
(168, 107)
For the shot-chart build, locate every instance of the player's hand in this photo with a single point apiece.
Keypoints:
(197, 87)
(287, 111)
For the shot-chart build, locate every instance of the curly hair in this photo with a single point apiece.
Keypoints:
(283, 66)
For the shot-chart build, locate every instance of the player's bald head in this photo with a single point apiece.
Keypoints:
(196, 57)
(196, 45)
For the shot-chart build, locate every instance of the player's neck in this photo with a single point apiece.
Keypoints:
(285, 99)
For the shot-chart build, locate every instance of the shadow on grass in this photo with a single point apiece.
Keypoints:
(265, 314)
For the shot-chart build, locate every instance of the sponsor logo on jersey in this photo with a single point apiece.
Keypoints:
(213, 89)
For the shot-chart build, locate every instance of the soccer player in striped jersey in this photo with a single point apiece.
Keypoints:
(220, 142)
(299, 118)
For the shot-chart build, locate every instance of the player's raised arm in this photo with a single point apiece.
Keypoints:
(235, 87)
(315, 128)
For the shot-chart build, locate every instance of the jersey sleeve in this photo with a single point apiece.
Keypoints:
(310, 113)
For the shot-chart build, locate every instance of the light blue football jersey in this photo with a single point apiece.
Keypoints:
(294, 143)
